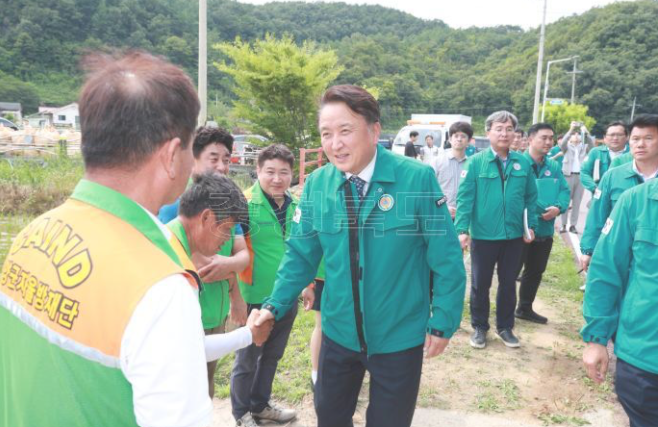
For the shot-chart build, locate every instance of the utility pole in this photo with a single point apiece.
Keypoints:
(540, 65)
(573, 79)
(634, 105)
(548, 71)
(203, 62)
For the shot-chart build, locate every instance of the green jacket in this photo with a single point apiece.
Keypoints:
(600, 154)
(620, 160)
(214, 297)
(554, 152)
(621, 295)
(552, 190)
(491, 207)
(266, 243)
(404, 233)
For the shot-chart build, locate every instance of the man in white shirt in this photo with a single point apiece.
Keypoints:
(429, 153)
(575, 145)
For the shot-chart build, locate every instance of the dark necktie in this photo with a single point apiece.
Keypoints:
(360, 185)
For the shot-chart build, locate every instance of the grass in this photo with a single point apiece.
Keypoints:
(561, 278)
(9, 227)
(293, 377)
(497, 395)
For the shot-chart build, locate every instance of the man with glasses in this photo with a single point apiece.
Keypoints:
(497, 186)
(599, 158)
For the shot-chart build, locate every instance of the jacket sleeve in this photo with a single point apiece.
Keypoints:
(565, 141)
(608, 275)
(531, 199)
(586, 171)
(444, 257)
(596, 217)
(564, 195)
(466, 198)
(301, 259)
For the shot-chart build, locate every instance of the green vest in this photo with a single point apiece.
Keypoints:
(214, 298)
(552, 190)
(267, 243)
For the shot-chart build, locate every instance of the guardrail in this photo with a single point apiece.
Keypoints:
(71, 148)
(303, 163)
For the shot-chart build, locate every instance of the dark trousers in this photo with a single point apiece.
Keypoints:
(637, 391)
(485, 255)
(394, 382)
(254, 367)
(534, 261)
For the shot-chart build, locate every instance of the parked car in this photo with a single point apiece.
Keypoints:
(246, 148)
(8, 124)
(481, 143)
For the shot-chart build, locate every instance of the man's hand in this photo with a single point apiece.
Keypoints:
(308, 296)
(595, 358)
(550, 213)
(453, 212)
(532, 236)
(434, 345)
(238, 313)
(584, 261)
(574, 126)
(265, 316)
(217, 269)
(259, 332)
(464, 241)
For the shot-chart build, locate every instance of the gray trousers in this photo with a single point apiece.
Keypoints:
(254, 367)
(577, 190)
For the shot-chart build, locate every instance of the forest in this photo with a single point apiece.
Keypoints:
(417, 65)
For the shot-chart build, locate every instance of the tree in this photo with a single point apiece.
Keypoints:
(14, 90)
(561, 116)
(277, 84)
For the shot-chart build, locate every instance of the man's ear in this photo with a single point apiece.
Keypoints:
(169, 155)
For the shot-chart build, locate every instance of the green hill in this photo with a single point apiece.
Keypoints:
(418, 65)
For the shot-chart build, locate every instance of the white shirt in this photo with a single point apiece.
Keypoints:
(575, 164)
(615, 154)
(644, 177)
(430, 155)
(365, 174)
(164, 353)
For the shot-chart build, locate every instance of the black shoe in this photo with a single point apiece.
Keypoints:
(479, 338)
(573, 230)
(508, 338)
(530, 316)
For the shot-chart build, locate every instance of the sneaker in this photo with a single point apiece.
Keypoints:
(246, 421)
(573, 230)
(275, 413)
(508, 338)
(563, 229)
(479, 338)
(530, 316)
(582, 288)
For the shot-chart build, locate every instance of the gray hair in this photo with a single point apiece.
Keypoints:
(500, 117)
(217, 193)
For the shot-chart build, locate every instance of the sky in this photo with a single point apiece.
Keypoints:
(482, 13)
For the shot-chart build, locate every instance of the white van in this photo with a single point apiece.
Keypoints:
(437, 132)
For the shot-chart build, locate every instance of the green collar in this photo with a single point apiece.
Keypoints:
(117, 204)
(384, 169)
(177, 228)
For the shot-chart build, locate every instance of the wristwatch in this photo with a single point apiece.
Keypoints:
(435, 332)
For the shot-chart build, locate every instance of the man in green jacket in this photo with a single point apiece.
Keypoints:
(497, 186)
(382, 224)
(552, 199)
(621, 301)
(598, 160)
(617, 180)
(271, 209)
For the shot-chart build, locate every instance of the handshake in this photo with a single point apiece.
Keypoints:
(261, 330)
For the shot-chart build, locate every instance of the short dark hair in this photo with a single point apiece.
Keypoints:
(217, 193)
(617, 123)
(521, 131)
(211, 135)
(463, 127)
(276, 151)
(429, 135)
(131, 105)
(534, 129)
(356, 98)
(645, 121)
(413, 133)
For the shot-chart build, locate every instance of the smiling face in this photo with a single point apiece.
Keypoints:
(214, 157)
(348, 139)
(274, 177)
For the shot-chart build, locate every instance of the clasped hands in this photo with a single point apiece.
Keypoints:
(260, 328)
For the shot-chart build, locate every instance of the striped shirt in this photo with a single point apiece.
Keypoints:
(448, 172)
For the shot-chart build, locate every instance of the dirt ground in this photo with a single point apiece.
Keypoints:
(540, 384)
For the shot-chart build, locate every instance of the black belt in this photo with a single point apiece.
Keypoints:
(575, 173)
(353, 229)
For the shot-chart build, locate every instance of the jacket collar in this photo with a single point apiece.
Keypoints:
(384, 170)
